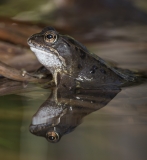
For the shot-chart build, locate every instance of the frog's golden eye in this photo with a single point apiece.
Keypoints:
(50, 37)
(52, 137)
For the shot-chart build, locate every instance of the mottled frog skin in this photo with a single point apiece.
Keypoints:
(71, 64)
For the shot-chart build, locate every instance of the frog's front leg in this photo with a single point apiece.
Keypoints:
(64, 81)
(40, 73)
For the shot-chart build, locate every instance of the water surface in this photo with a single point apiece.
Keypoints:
(116, 131)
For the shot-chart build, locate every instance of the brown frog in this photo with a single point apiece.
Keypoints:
(71, 64)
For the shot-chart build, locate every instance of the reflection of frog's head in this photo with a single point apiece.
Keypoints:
(50, 121)
(50, 133)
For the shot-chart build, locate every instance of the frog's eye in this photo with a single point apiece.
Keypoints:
(52, 137)
(50, 37)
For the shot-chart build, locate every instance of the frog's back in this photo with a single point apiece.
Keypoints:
(91, 68)
(123, 73)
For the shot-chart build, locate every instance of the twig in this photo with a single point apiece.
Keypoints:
(14, 74)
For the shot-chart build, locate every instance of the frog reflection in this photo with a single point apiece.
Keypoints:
(62, 112)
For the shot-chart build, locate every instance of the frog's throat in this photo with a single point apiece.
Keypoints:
(50, 59)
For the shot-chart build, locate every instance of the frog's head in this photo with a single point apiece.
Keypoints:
(50, 48)
(55, 51)
(44, 44)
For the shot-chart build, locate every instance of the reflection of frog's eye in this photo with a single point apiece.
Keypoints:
(50, 37)
(52, 137)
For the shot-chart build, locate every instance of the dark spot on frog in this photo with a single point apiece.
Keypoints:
(64, 85)
(102, 71)
(82, 54)
(79, 66)
(93, 69)
(76, 48)
(93, 101)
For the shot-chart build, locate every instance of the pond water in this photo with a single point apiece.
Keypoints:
(115, 130)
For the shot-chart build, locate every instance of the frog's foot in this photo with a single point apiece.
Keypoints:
(35, 75)
(24, 72)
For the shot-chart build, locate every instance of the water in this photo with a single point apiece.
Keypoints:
(116, 131)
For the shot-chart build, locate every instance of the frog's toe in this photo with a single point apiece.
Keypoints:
(23, 72)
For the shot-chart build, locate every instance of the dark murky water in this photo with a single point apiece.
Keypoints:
(116, 131)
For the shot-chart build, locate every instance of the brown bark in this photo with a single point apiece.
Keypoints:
(14, 74)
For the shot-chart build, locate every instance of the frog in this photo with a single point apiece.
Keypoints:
(71, 64)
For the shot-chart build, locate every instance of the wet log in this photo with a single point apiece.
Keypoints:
(14, 74)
